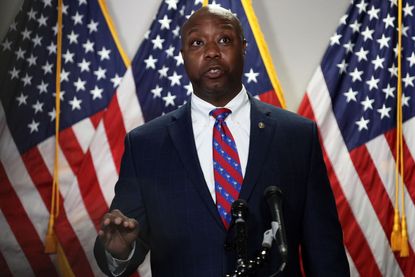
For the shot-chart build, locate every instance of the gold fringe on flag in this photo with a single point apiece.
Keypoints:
(52, 245)
(396, 231)
(50, 241)
(64, 267)
(404, 238)
(399, 236)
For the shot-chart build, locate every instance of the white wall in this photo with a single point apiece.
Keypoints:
(297, 33)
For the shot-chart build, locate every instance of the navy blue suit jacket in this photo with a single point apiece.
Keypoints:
(161, 184)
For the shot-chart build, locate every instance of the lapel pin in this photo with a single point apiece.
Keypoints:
(261, 125)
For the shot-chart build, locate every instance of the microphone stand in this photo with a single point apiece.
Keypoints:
(244, 266)
(239, 215)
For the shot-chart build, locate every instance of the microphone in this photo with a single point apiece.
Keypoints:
(240, 212)
(273, 195)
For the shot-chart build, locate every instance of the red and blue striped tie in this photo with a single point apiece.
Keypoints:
(226, 166)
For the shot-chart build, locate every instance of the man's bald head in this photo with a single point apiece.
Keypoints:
(214, 11)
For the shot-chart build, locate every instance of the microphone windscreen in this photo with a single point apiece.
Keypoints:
(271, 191)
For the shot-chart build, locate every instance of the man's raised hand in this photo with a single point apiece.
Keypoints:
(118, 233)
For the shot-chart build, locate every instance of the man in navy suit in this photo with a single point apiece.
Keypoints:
(166, 196)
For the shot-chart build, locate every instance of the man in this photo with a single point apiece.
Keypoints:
(173, 197)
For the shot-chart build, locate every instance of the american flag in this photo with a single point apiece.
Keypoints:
(158, 70)
(91, 70)
(91, 145)
(353, 98)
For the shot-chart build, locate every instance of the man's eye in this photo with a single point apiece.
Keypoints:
(196, 43)
(224, 40)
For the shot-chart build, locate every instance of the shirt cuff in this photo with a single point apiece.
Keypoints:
(117, 266)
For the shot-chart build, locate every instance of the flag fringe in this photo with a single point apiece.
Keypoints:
(50, 242)
(64, 267)
(404, 239)
(396, 233)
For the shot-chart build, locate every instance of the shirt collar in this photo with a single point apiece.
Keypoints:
(200, 108)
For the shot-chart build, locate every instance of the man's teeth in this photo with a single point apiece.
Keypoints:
(214, 70)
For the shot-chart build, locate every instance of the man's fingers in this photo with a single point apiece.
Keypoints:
(117, 232)
(113, 217)
(130, 223)
(106, 221)
(116, 220)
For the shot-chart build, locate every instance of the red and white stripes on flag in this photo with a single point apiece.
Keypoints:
(353, 97)
(363, 182)
(25, 195)
(91, 65)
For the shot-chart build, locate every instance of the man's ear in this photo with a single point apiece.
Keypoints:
(244, 43)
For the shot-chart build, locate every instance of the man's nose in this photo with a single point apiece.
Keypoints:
(212, 50)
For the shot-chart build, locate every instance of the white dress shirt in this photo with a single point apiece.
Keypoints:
(239, 123)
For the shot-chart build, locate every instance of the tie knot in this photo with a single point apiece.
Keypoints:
(220, 113)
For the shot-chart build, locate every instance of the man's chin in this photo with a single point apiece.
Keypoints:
(214, 85)
(220, 89)
(217, 93)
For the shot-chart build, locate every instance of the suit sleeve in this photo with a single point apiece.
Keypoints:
(322, 240)
(128, 199)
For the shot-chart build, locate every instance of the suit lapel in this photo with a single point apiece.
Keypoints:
(262, 131)
(181, 132)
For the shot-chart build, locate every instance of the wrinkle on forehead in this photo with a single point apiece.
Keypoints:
(212, 12)
(196, 27)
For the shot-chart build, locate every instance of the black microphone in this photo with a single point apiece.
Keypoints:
(273, 195)
(240, 212)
